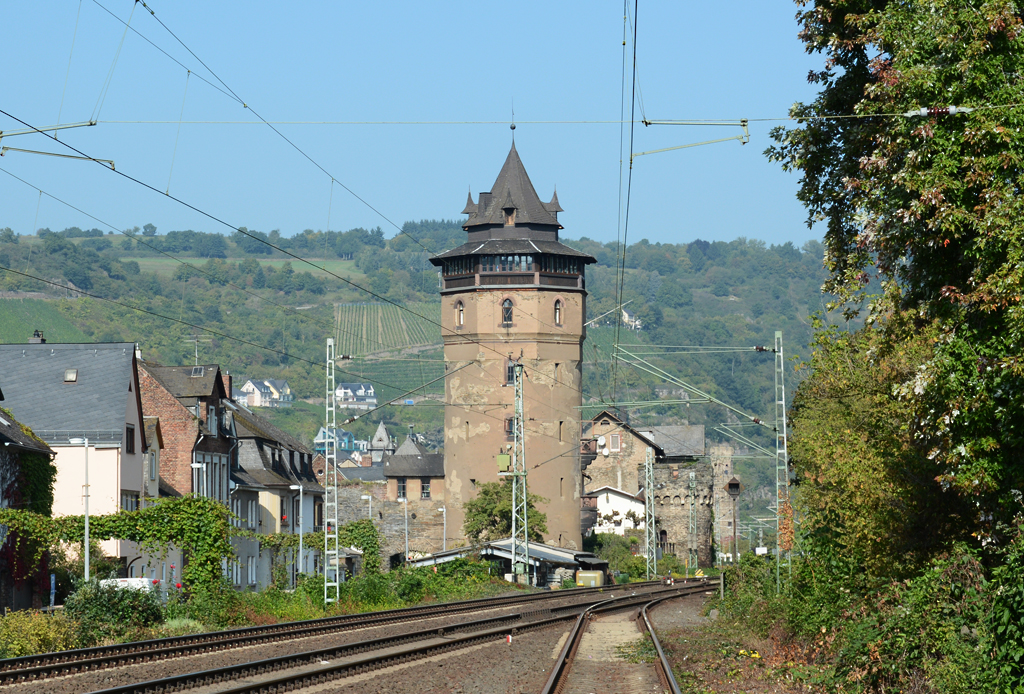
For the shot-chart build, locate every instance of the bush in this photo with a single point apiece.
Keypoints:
(26, 632)
(108, 612)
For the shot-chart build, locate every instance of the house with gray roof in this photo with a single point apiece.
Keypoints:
(84, 402)
(270, 468)
(413, 472)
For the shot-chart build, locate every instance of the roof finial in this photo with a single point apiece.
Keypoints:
(512, 127)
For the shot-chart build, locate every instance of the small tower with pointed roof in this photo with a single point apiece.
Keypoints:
(514, 291)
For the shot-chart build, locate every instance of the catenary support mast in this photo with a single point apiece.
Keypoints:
(332, 560)
(520, 529)
(783, 509)
(650, 532)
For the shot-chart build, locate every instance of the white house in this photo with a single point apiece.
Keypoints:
(355, 396)
(618, 511)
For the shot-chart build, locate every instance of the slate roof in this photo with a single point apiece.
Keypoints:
(413, 460)
(513, 246)
(179, 381)
(248, 424)
(366, 474)
(512, 188)
(677, 441)
(11, 433)
(154, 436)
(94, 405)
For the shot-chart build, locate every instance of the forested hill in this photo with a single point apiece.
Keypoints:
(735, 293)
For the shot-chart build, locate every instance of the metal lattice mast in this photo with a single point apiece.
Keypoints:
(520, 529)
(650, 533)
(783, 509)
(691, 550)
(332, 564)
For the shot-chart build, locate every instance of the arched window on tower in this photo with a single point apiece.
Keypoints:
(506, 312)
(558, 311)
(460, 314)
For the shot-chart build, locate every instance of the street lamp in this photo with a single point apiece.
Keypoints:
(444, 538)
(84, 442)
(369, 511)
(733, 487)
(301, 562)
(406, 502)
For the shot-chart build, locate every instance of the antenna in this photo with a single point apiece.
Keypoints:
(196, 339)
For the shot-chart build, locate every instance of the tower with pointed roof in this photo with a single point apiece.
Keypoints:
(514, 291)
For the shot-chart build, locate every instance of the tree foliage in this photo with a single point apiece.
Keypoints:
(489, 515)
(930, 207)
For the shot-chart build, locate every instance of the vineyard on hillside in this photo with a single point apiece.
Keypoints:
(369, 328)
(19, 317)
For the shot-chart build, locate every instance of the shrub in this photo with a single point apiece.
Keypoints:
(26, 632)
(111, 613)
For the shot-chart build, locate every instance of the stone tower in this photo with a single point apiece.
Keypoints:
(514, 291)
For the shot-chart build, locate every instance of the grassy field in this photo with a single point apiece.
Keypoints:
(366, 328)
(19, 317)
(343, 268)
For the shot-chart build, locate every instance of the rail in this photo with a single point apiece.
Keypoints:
(329, 664)
(41, 666)
(559, 676)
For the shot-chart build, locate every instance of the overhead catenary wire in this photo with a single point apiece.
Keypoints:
(266, 242)
(71, 53)
(110, 74)
(629, 189)
(192, 266)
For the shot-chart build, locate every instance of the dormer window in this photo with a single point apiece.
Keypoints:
(510, 216)
(71, 376)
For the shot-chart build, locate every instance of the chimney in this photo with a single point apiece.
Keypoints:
(225, 379)
(37, 338)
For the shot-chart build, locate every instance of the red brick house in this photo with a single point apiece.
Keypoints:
(198, 439)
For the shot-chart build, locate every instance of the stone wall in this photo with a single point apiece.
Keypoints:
(672, 508)
(426, 522)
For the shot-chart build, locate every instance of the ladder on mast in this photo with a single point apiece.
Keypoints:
(332, 557)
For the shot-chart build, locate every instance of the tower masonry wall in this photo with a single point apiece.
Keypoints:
(481, 399)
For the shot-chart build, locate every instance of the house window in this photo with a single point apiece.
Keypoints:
(129, 501)
(558, 311)
(129, 438)
(250, 570)
(509, 427)
(460, 314)
(211, 420)
(424, 487)
(510, 373)
(506, 312)
(401, 488)
(616, 442)
(152, 466)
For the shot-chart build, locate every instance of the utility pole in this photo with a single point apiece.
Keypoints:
(332, 559)
(650, 533)
(691, 550)
(783, 509)
(520, 529)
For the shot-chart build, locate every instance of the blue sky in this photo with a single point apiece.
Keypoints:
(458, 62)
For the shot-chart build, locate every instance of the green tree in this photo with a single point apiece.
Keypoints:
(930, 206)
(489, 515)
(148, 230)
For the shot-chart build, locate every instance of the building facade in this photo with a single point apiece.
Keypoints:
(512, 292)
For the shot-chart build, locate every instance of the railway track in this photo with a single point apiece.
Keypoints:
(312, 668)
(560, 673)
(46, 665)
